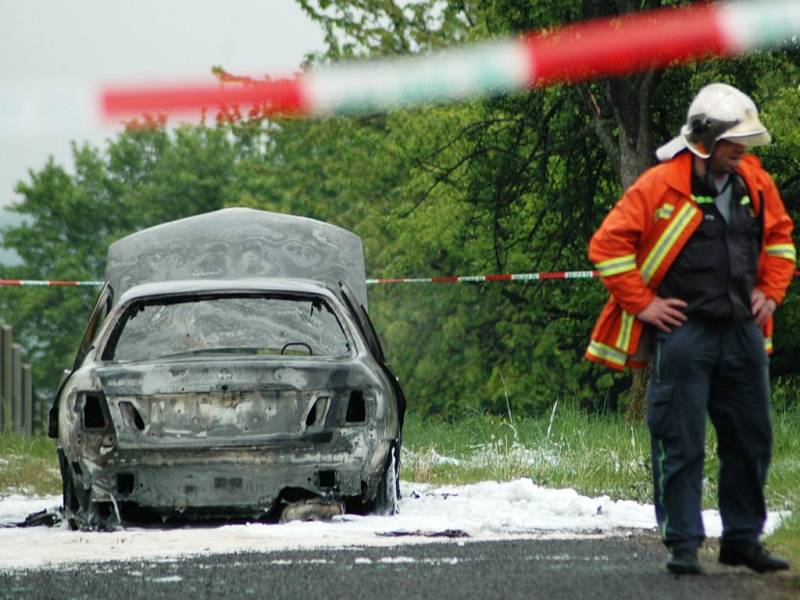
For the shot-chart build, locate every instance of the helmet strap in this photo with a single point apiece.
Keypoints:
(703, 172)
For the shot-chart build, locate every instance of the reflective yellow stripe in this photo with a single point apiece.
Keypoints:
(625, 328)
(768, 344)
(613, 266)
(666, 241)
(703, 199)
(783, 250)
(664, 211)
(745, 200)
(608, 353)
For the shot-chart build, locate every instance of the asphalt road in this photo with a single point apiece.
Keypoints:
(613, 568)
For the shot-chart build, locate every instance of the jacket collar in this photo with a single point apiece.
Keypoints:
(679, 172)
(749, 169)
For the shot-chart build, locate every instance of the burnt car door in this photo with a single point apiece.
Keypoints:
(102, 307)
(369, 334)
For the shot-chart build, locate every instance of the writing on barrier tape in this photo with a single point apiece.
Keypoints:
(543, 276)
(488, 278)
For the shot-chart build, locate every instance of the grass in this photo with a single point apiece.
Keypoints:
(783, 487)
(594, 454)
(28, 466)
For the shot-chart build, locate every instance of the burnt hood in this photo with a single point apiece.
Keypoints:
(239, 243)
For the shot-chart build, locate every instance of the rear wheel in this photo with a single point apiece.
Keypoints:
(69, 495)
(388, 492)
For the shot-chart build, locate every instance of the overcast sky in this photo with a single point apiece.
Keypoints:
(48, 44)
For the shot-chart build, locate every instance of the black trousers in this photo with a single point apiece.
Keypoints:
(697, 369)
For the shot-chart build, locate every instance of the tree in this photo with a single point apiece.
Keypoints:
(145, 176)
(513, 183)
(534, 168)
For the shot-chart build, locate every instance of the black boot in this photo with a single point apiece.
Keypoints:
(683, 561)
(752, 555)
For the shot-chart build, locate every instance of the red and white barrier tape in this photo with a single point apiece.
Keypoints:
(488, 278)
(43, 283)
(523, 277)
(581, 51)
(589, 50)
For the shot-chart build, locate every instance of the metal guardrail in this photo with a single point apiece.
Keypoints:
(19, 413)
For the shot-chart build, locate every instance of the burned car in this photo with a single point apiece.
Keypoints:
(229, 368)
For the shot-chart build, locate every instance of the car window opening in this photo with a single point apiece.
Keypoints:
(227, 324)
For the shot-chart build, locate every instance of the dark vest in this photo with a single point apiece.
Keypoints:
(715, 272)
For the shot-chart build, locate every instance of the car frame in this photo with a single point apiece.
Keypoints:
(259, 435)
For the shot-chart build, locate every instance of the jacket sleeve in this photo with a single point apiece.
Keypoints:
(614, 247)
(778, 257)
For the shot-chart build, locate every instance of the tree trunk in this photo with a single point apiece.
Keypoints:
(630, 101)
(636, 394)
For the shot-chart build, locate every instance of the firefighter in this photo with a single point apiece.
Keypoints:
(697, 255)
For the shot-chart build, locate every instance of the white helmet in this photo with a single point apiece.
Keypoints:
(718, 112)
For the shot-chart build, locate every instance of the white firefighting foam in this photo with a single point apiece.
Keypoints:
(484, 511)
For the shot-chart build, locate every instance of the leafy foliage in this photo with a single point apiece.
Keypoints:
(145, 176)
(514, 183)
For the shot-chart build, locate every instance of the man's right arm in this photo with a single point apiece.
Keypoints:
(613, 250)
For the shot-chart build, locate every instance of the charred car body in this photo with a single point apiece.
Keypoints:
(229, 368)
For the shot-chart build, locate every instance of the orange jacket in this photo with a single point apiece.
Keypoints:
(642, 236)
